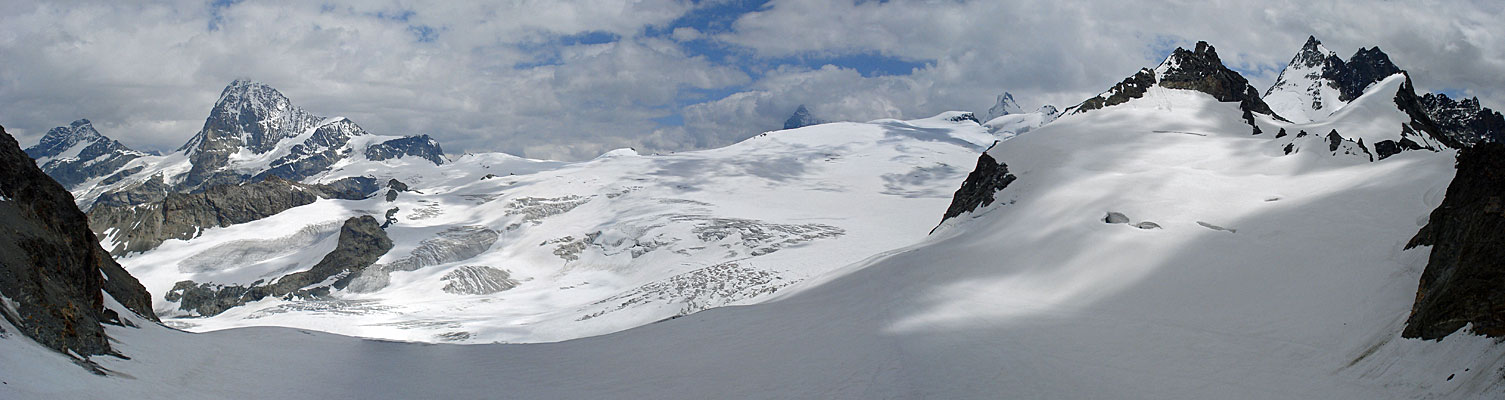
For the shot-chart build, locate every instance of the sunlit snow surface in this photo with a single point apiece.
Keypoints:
(1302, 296)
(594, 247)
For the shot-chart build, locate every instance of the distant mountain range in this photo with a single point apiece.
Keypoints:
(1181, 234)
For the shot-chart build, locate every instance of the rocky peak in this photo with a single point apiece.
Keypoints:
(801, 118)
(1004, 106)
(1461, 285)
(76, 153)
(1202, 70)
(252, 115)
(1464, 121)
(60, 139)
(1364, 68)
(421, 146)
(1199, 69)
(1313, 54)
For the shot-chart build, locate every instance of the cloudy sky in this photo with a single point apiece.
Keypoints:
(572, 79)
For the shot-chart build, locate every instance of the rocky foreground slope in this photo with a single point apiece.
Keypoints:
(54, 278)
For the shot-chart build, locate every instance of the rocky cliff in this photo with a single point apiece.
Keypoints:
(53, 275)
(989, 177)
(141, 227)
(76, 153)
(1464, 281)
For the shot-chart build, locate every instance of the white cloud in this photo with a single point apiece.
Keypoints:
(509, 77)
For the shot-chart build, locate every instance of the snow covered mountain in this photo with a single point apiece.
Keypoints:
(497, 248)
(1004, 106)
(1170, 238)
(254, 132)
(1317, 83)
(1008, 126)
(77, 153)
(1005, 119)
(1200, 70)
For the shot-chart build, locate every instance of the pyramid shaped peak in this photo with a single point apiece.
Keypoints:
(80, 122)
(1005, 105)
(801, 118)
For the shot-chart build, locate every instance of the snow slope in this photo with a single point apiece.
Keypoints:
(1272, 276)
(591, 247)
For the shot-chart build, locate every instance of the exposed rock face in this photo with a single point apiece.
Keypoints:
(134, 228)
(1421, 122)
(1464, 282)
(76, 153)
(248, 115)
(801, 118)
(965, 116)
(412, 146)
(315, 155)
(1338, 145)
(1199, 69)
(1464, 121)
(471, 279)
(1131, 88)
(267, 136)
(1364, 68)
(1317, 83)
(988, 178)
(52, 270)
(361, 243)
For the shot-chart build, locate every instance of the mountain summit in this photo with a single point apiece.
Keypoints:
(1004, 106)
(1317, 83)
(77, 153)
(1199, 70)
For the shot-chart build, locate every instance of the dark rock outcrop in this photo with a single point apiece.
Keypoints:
(966, 116)
(393, 188)
(1421, 122)
(100, 155)
(1364, 68)
(421, 146)
(1131, 88)
(1386, 148)
(52, 271)
(1199, 69)
(989, 177)
(1464, 281)
(801, 118)
(1464, 121)
(142, 227)
(361, 243)
(1337, 144)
